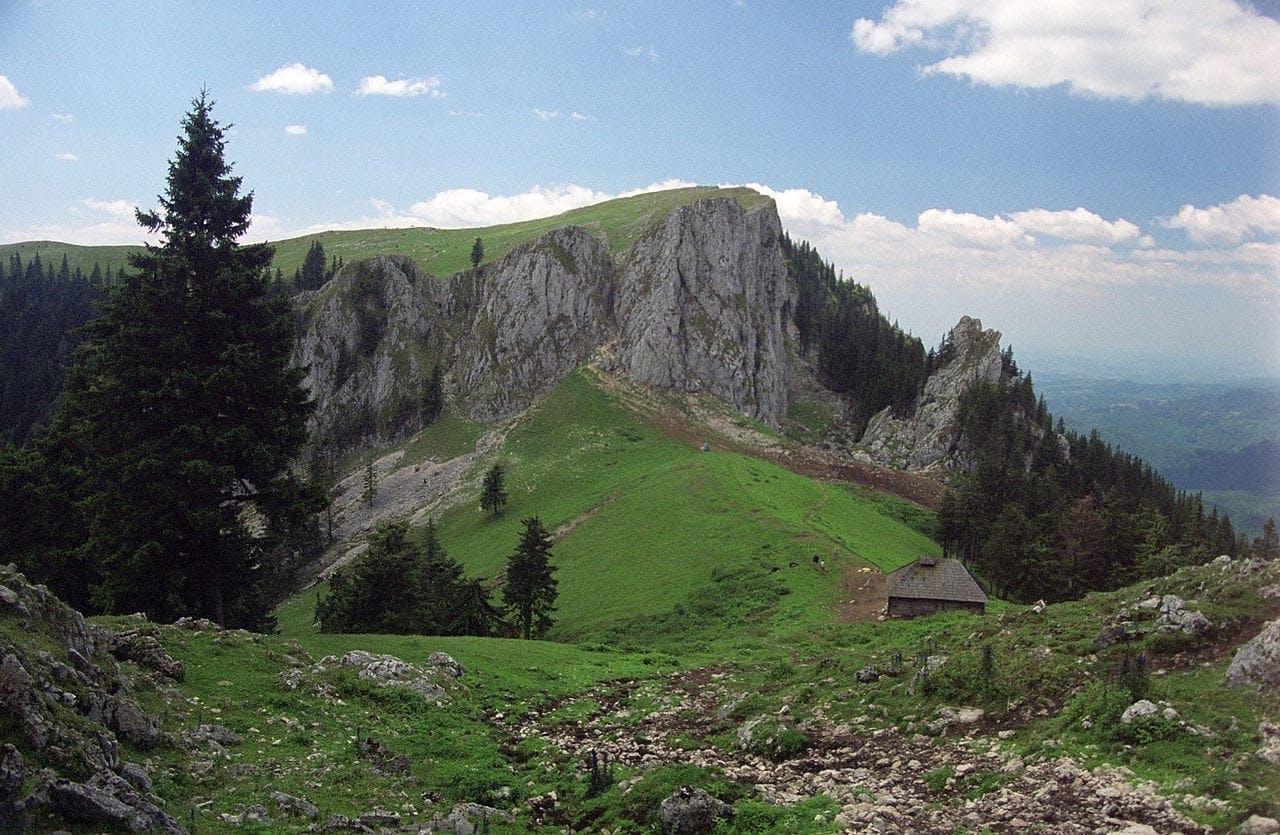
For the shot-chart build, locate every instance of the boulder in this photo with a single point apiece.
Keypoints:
(1257, 662)
(446, 664)
(1175, 616)
(1258, 825)
(90, 805)
(132, 723)
(145, 651)
(470, 819)
(868, 674)
(1137, 710)
(689, 811)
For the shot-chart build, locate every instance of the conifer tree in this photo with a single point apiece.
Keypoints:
(477, 253)
(530, 590)
(182, 409)
(493, 495)
(432, 396)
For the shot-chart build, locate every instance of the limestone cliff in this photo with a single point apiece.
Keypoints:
(699, 303)
(704, 305)
(930, 439)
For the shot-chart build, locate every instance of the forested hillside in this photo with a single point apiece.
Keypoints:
(40, 308)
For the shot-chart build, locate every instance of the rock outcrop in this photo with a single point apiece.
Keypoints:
(930, 439)
(700, 303)
(533, 317)
(71, 707)
(703, 305)
(1258, 661)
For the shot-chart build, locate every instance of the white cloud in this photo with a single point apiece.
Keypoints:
(378, 85)
(642, 52)
(578, 117)
(1229, 223)
(1079, 225)
(294, 79)
(119, 209)
(595, 14)
(466, 113)
(1212, 52)
(9, 95)
(296, 130)
(966, 228)
(65, 118)
(545, 115)
(67, 157)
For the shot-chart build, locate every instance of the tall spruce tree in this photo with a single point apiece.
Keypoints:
(182, 412)
(530, 590)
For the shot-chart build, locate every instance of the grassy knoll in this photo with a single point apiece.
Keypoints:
(440, 252)
(662, 544)
(444, 251)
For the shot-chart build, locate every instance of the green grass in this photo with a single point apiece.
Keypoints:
(441, 252)
(654, 526)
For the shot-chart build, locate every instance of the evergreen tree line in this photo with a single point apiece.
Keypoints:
(857, 351)
(40, 310)
(401, 587)
(163, 482)
(1041, 512)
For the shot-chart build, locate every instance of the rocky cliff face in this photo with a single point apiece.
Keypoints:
(701, 304)
(704, 305)
(929, 440)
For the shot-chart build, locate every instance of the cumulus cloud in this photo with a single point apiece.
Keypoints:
(296, 130)
(404, 88)
(91, 222)
(1229, 223)
(67, 156)
(9, 95)
(65, 118)
(1078, 224)
(1213, 52)
(970, 229)
(545, 115)
(578, 117)
(294, 79)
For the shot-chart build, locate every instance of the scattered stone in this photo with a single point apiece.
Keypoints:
(1113, 634)
(1258, 825)
(146, 651)
(1138, 709)
(868, 674)
(1175, 616)
(470, 819)
(446, 664)
(690, 811)
(1270, 750)
(90, 805)
(295, 806)
(137, 777)
(8, 596)
(1258, 661)
(132, 723)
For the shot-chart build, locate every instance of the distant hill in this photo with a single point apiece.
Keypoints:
(437, 251)
(1221, 439)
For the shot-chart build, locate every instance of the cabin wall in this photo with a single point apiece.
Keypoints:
(910, 607)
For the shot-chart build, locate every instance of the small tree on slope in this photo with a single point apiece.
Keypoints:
(530, 590)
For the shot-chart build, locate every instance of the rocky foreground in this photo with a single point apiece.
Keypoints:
(74, 697)
(884, 780)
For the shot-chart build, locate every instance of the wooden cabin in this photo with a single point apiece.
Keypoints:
(933, 584)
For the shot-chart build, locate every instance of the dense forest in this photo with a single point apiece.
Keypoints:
(857, 351)
(40, 310)
(1040, 512)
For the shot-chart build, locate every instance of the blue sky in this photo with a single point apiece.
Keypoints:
(1097, 181)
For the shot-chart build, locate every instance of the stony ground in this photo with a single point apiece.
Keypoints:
(885, 780)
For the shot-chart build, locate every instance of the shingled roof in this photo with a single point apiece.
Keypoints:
(935, 578)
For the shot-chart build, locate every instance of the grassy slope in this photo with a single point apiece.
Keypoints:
(658, 528)
(437, 251)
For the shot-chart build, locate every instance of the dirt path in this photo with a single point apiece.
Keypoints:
(862, 591)
(697, 423)
(883, 779)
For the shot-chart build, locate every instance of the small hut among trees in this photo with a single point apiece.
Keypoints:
(933, 584)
